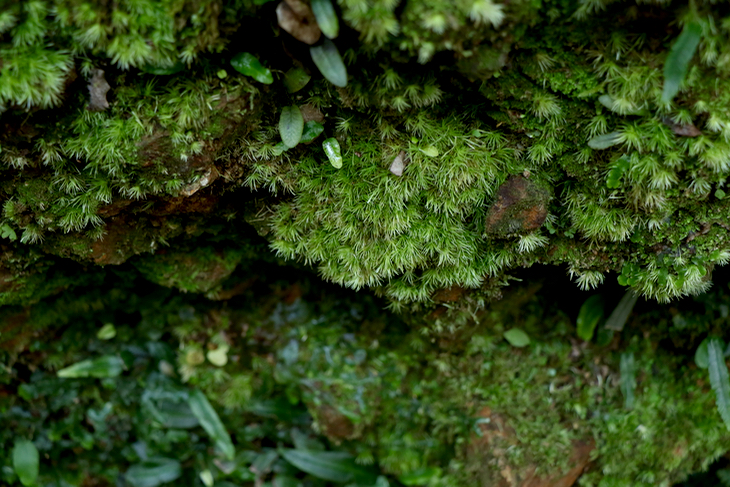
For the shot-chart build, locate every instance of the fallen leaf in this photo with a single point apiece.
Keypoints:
(683, 129)
(297, 18)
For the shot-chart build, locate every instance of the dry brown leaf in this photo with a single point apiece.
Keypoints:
(297, 18)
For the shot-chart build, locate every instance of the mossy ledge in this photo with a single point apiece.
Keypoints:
(123, 129)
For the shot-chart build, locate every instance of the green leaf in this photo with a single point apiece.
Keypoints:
(604, 141)
(163, 70)
(326, 17)
(702, 355)
(329, 62)
(211, 423)
(291, 125)
(719, 379)
(332, 149)
(295, 79)
(620, 168)
(604, 336)
(517, 337)
(207, 478)
(311, 131)
(7, 232)
(682, 52)
(106, 332)
(246, 63)
(334, 466)
(285, 481)
(25, 461)
(628, 378)
(303, 441)
(618, 317)
(422, 476)
(177, 415)
(430, 151)
(102, 367)
(219, 356)
(280, 148)
(588, 317)
(153, 472)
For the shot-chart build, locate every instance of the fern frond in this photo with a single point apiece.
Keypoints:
(719, 379)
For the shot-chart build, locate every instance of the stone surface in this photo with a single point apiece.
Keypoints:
(491, 460)
(520, 207)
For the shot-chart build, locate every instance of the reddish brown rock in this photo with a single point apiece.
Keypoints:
(311, 113)
(490, 463)
(520, 207)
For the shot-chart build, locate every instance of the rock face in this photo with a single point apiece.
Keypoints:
(521, 206)
(488, 455)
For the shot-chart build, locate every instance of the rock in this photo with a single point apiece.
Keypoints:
(335, 425)
(489, 458)
(520, 207)
(98, 88)
(297, 18)
(210, 175)
(310, 113)
(399, 163)
(196, 270)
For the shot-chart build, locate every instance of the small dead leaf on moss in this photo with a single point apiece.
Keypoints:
(399, 163)
(297, 18)
(98, 88)
(682, 129)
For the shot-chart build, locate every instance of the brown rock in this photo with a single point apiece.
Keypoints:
(449, 295)
(335, 425)
(488, 455)
(311, 113)
(297, 18)
(15, 335)
(520, 207)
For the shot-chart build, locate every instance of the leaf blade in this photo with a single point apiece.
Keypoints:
(100, 368)
(326, 17)
(247, 64)
(339, 467)
(153, 472)
(628, 378)
(26, 461)
(329, 62)
(600, 142)
(291, 125)
(517, 338)
(680, 55)
(589, 315)
(211, 423)
(719, 379)
(332, 149)
(617, 318)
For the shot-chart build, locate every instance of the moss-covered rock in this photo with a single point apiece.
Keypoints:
(475, 94)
